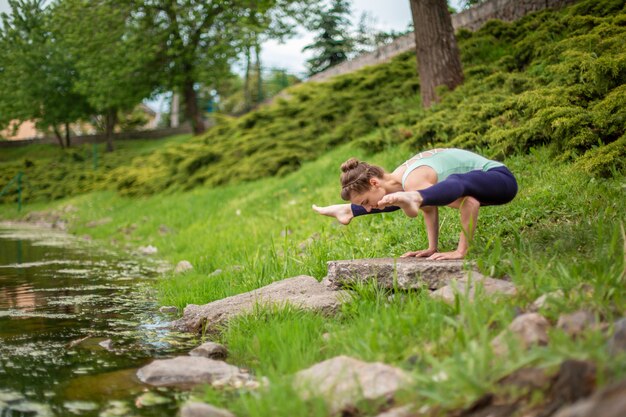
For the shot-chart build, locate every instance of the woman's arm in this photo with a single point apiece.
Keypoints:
(468, 207)
(431, 220)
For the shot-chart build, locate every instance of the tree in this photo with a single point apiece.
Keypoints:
(37, 77)
(115, 64)
(438, 58)
(333, 42)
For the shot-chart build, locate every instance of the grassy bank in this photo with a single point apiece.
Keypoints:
(561, 232)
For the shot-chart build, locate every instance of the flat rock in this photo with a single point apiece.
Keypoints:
(575, 323)
(617, 342)
(545, 299)
(194, 409)
(302, 291)
(403, 273)
(210, 350)
(342, 381)
(405, 411)
(609, 401)
(183, 266)
(529, 329)
(191, 370)
(467, 286)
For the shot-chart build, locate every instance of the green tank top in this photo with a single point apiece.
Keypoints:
(452, 161)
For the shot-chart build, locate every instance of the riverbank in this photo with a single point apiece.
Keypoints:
(562, 232)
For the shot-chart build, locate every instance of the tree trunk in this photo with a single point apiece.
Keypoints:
(191, 108)
(259, 76)
(175, 109)
(57, 133)
(111, 120)
(438, 59)
(67, 134)
(247, 96)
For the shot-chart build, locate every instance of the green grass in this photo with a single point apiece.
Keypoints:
(563, 231)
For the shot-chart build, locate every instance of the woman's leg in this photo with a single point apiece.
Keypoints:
(344, 213)
(493, 187)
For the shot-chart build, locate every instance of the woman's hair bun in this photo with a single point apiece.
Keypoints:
(349, 165)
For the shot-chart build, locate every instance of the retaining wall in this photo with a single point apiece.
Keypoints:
(472, 19)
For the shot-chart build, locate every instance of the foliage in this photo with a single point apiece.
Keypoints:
(551, 78)
(31, 90)
(333, 42)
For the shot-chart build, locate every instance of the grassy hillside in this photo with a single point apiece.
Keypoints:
(549, 78)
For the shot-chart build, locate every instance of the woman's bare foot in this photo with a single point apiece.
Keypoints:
(408, 201)
(341, 212)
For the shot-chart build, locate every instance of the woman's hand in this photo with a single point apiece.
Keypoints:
(447, 255)
(419, 253)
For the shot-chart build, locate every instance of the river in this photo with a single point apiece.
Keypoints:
(75, 324)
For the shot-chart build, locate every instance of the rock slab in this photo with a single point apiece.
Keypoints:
(302, 291)
(468, 285)
(191, 370)
(194, 409)
(402, 273)
(529, 329)
(343, 381)
(210, 350)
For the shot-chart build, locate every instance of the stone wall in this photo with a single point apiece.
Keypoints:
(80, 140)
(472, 19)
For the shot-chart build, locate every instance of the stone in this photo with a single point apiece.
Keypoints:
(467, 285)
(210, 350)
(529, 329)
(183, 266)
(402, 273)
(215, 273)
(575, 323)
(609, 401)
(343, 381)
(191, 370)
(545, 299)
(100, 222)
(405, 411)
(168, 309)
(147, 250)
(617, 342)
(194, 409)
(107, 344)
(302, 291)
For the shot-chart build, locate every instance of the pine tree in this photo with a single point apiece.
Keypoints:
(333, 43)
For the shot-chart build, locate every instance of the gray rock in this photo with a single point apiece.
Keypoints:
(405, 411)
(575, 323)
(203, 410)
(191, 370)
(168, 309)
(100, 222)
(343, 381)
(617, 342)
(210, 350)
(467, 286)
(301, 291)
(545, 299)
(183, 266)
(147, 250)
(107, 344)
(403, 273)
(215, 273)
(529, 329)
(609, 401)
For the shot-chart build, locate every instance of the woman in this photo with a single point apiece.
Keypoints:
(440, 177)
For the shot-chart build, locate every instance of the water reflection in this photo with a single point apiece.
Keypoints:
(75, 323)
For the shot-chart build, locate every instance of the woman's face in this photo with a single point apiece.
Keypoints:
(369, 199)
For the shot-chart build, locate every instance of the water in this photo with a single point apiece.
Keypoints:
(75, 324)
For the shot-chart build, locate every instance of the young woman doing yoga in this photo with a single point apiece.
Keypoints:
(439, 177)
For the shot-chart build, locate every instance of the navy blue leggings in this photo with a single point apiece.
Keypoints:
(494, 187)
